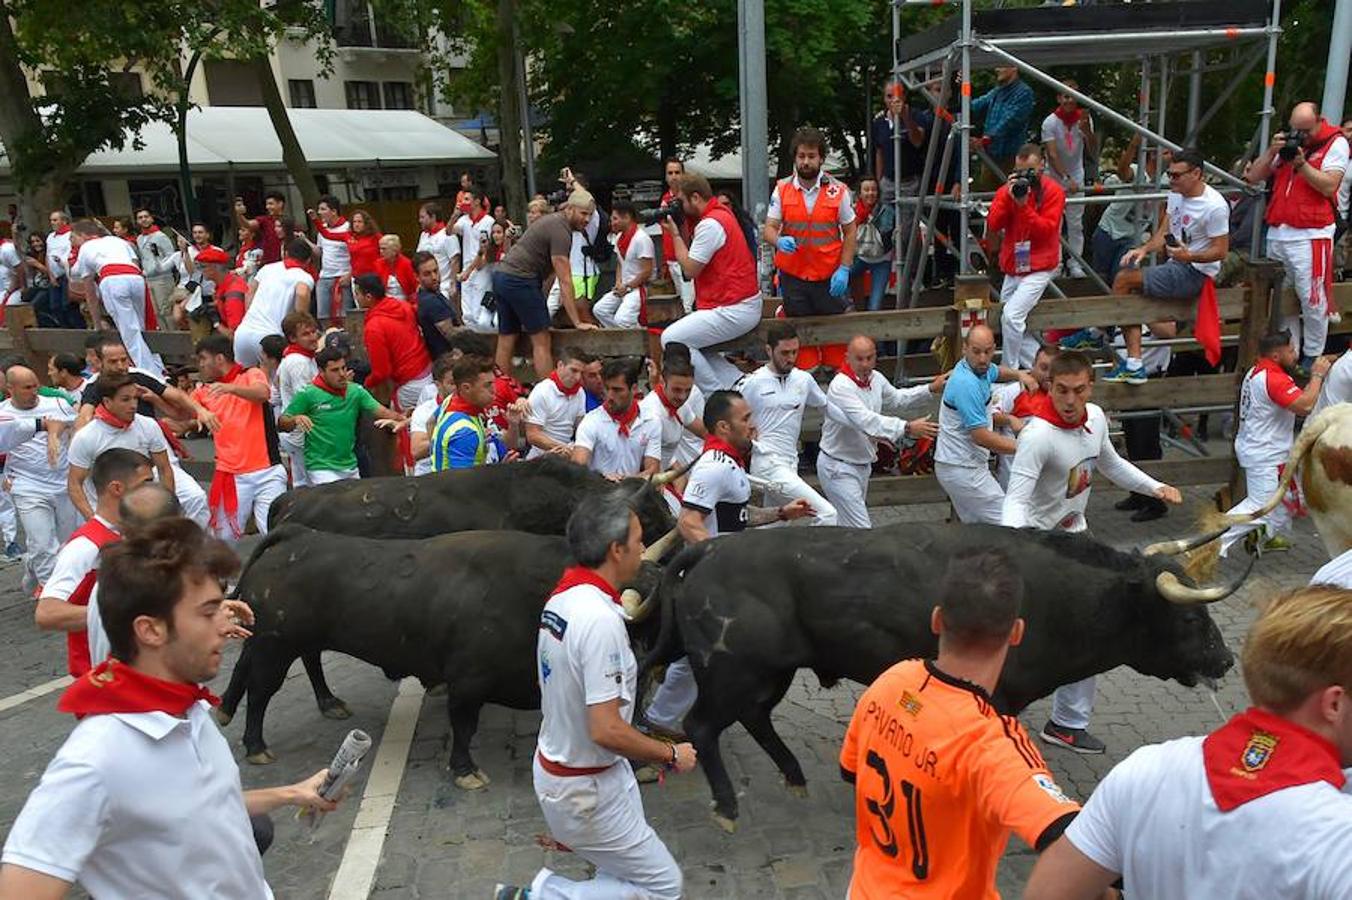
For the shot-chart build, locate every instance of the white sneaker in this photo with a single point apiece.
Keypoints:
(1075, 270)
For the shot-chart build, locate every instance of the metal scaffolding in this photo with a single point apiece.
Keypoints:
(1167, 40)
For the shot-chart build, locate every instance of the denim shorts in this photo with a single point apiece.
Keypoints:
(521, 305)
(1172, 280)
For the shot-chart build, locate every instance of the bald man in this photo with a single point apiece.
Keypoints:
(966, 434)
(849, 451)
(1301, 220)
(36, 471)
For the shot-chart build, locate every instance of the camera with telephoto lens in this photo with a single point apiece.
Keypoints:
(1291, 146)
(556, 198)
(653, 216)
(1023, 181)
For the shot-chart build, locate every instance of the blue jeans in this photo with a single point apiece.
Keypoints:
(880, 271)
(321, 302)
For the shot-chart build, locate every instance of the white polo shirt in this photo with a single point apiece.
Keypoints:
(27, 467)
(680, 445)
(58, 254)
(777, 403)
(90, 819)
(582, 658)
(556, 412)
(335, 260)
(613, 453)
(1337, 571)
(858, 444)
(631, 263)
(274, 297)
(1154, 821)
(444, 246)
(719, 488)
(143, 435)
(1266, 423)
(420, 422)
(98, 252)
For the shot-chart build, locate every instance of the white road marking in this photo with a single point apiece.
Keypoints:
(356, 873)
(35, 692)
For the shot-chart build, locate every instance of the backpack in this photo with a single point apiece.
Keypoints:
(874, 236)
(599, 249)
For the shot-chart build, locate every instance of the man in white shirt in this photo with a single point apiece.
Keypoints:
(435, 238)
(557, 405)
(58, 264)
(157, 264)
(295, 371)
(1067, 134)
(279, 288)
(1301, 216)
(1337, 384)
(122, 290)
(474, 230)
(1254, 809)
(422, 422)
(36, 471)
(146, 731)
(849, 452)
(623, 305)
(1269, 404)
(1060, 446)
(333, 288)
(618, 439)
(779, 392)
(1194, 232)
(588, 687)
(679, 406)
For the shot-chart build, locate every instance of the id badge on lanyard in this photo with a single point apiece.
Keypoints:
(1023, 257)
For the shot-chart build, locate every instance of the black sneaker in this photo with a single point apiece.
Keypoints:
(1076, 740)
(1130, 502)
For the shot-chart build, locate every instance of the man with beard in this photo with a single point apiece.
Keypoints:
(619, 439)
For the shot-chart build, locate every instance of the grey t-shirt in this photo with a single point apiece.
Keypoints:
(531, 256)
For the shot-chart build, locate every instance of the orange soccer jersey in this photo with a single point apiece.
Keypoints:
(941, 779)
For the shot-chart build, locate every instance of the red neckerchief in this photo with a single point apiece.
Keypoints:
(717, 443)
(292, 349)
(558, 383)
(850, 374)
(234, 372)
(436, 227)
(1026, 404)
(129, 238)
(294, 263)
(661, 392)
(64, 229)
(150, 230)
(1045, 409)
(578, 575)
(103, 414)
(115, 687)
(862, 210)
(323, 385)
(624, 419)
(474, 219)
(338, 222)
(461, 405)
(625, 240)
(1257, 753)
(243, 252)
(1264, 364)
(1070, 118)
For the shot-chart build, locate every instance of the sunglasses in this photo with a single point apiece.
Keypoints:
(1174, 174)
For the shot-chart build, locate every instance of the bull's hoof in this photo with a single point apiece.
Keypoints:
(646, 774)
(221, 716)
(474, 781)
(334, 708)
(261, 758)
(729, 826)
(798, 790)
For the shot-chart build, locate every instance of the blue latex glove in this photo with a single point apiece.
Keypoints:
(786, 244)
(840, 281)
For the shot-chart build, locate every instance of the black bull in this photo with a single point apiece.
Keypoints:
(751, 609)
(461, 610)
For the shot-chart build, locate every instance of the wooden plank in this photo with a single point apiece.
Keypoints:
(1174, 393)
(1342, 297)
(1085, 312)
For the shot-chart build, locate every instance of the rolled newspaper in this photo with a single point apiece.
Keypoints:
(344, 767)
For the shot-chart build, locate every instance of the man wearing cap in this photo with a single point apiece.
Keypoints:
(228, 297)
(519, 279)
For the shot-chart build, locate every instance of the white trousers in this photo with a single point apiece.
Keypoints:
(472, 303)
(973, 491)
(673, 697)
(1261, 483)
(613, 311)
(846, 486)
(47, 522)
(1074, 216)
(600, 817)
(406, 395)
(9, 523)
(706, 327)
(1072, 704)
(1018, 295)
(192, 500)
(788, 486)
(685, 288)
(1307, 264)
(255, 492)
(329, 476)
(248, 350)
(124, 300)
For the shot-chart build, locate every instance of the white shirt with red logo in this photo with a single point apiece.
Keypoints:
(1196, 221)
(1266, 423)
(613, 453)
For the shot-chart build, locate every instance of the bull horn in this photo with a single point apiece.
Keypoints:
(1173, 548)
(636, 606)
(1175, 591)
(660, 479)
(661, 546)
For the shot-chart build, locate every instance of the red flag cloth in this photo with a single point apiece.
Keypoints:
(1208, 327)
(115, 687)
(576, 575)
(222, 497)
(1257, 753)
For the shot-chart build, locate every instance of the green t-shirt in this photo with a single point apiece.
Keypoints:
(329, 444)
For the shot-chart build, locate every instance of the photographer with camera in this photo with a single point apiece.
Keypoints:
(722, 263)
(1306, 165)
(1028, 209)
(673, 169)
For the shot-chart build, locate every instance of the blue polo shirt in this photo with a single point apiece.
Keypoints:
(965, 406)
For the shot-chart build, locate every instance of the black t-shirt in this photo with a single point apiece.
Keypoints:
(912, 157)
(93, 394)
(434, 308)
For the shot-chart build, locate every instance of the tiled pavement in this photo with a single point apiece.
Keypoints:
(447, 843)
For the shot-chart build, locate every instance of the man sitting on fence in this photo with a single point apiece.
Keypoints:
(1194, 233)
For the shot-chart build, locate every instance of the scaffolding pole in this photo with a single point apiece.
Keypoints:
(1231, 86)
(965, 127)
(1265, 123)
(926, 179)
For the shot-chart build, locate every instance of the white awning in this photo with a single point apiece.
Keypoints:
(220, 137)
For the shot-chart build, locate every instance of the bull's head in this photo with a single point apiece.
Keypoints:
(640, 599)
(654, 514)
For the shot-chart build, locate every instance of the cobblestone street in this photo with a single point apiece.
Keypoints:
(443, 842)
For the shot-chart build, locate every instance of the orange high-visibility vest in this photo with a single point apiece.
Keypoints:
(817, 232)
